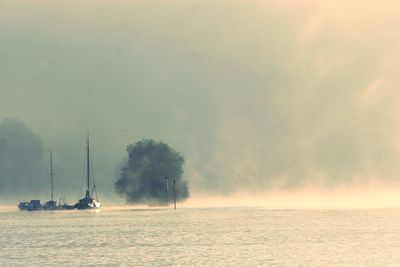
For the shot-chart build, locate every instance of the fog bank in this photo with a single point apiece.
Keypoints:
(256, 95)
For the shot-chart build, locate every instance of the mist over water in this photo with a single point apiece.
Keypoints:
(285, 115)
(256, 96)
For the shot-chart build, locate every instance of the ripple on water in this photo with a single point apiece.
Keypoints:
(201, 237)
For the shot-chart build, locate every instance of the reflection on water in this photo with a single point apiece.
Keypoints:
(200, 237)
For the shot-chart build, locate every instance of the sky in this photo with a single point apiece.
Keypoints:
(256, 95)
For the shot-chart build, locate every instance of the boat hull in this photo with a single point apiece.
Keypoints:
(87, 203)
(33, 205)
(51, 205)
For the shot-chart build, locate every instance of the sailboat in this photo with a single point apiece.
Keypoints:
(51, 204)
(88, 202)
(35, 205)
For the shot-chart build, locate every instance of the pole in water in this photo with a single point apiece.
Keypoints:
(174, 194)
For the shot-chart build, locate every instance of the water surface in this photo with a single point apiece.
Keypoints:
(200, 237)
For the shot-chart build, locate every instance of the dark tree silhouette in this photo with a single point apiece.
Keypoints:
(21, 154)
(143, 177)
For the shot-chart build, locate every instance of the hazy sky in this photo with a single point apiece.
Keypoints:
(254, 94)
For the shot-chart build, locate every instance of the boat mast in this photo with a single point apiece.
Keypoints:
(51, 174)
(88, 167)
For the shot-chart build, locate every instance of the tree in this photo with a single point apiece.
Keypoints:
(21, 155)
(142, 178)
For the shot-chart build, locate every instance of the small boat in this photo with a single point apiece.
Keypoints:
(64, 206)
(88, 202)
(51, 204)
(23, 205)
(33, 205)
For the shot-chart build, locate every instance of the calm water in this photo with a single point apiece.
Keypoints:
(201, 237)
